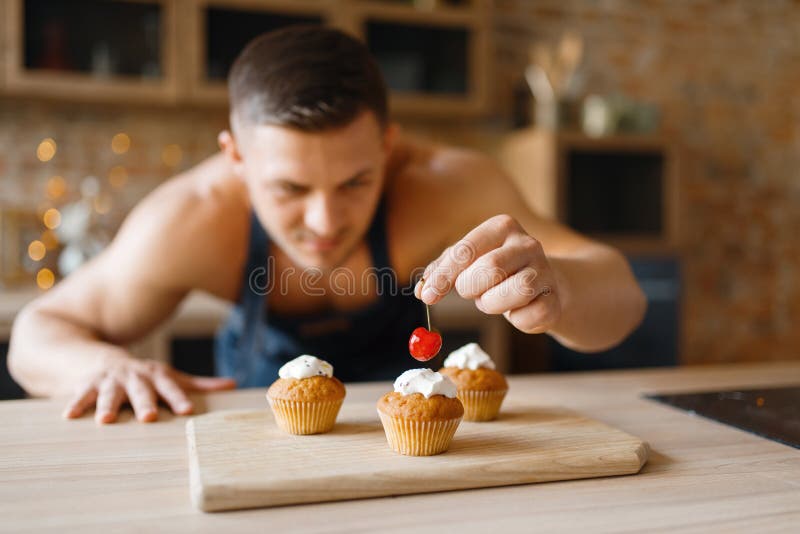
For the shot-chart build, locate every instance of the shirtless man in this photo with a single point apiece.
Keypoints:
(313, 188)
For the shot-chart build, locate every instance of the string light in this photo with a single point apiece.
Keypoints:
(45, 278)
(56, 187)
(172, 155)
(118, 176)
(102, 204)
(120, 143)
(46, 150)
(36, 250)
(52, 218)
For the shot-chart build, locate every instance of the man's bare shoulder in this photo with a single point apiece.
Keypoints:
(451, 185)
(429, 165)
(461, 188)
(198, 221)
(432, 191)
(439, 193)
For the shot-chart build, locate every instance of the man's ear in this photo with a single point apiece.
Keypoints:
(231, 150)
(390, 135)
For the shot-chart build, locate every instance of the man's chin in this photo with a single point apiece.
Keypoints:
(323, 260)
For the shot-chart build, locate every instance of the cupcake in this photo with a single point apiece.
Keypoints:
(481, 389)
(306, 398)
(422, 413)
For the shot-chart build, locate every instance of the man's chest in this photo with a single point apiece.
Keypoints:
(355, 284)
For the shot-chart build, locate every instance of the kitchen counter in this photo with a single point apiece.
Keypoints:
(701, 475)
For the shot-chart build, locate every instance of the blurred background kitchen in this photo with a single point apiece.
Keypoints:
(669, 128)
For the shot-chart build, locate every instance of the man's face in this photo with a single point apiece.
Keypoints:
(315, 192)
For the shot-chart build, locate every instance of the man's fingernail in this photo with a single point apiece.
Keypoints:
(104, 418)
(428, 295)
(148, 416)
(185, 407)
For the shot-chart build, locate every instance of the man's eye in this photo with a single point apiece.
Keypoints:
(291, 189)
(355, 184)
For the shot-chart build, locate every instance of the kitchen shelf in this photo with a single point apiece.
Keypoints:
(434, 53)
(219, 29)
(91, 50)
(622, 190)
(435, 6)
(415, 45)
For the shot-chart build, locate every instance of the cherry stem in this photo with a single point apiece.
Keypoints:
(427, 308)
(428, 314)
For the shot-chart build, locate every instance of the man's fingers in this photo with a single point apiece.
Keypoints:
(141, 384)
(512, 293)
(493, 267)
(142, 397)
(109, 398)
(487, 236)
(172, 394)
(428, 271)
(539, 315)
(84, 398)
(204, 383)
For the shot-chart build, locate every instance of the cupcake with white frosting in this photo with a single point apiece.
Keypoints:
(481, 388)
(422, 413)
(307, 397)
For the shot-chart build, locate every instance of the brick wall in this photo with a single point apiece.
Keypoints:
(725, 74)
(83, 135)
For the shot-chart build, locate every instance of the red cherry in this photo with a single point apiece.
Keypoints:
(424, 344)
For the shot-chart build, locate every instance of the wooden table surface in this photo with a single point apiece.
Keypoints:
(77, 476)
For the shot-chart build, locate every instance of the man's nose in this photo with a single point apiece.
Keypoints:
(322, 216)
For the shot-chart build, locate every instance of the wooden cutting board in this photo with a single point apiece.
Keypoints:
(241, 459)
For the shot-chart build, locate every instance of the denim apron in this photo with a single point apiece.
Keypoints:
(366, 344)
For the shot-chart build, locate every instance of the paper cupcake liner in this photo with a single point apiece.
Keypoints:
(298, 417)
(481, 405)
(418, 438)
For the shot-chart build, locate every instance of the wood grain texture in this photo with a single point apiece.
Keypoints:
(241, 459)
(701, 476)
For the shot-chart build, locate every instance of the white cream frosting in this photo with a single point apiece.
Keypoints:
(470, 356)
(305, 366)
(424, 381)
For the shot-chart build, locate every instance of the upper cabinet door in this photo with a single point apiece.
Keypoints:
(434, 53)
(98, 50)
(220, 29)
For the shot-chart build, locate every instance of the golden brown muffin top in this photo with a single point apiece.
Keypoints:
(416, 406)
(481, 379)
(314, 388)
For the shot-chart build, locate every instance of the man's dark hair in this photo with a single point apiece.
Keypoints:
(307, 77)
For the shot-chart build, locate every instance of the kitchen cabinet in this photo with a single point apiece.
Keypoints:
(622, 190)
(91, 50)
(436, 61)
(434, 54)
(218, 29)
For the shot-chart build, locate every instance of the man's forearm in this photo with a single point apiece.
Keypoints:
(601, 301)
(48, 356)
